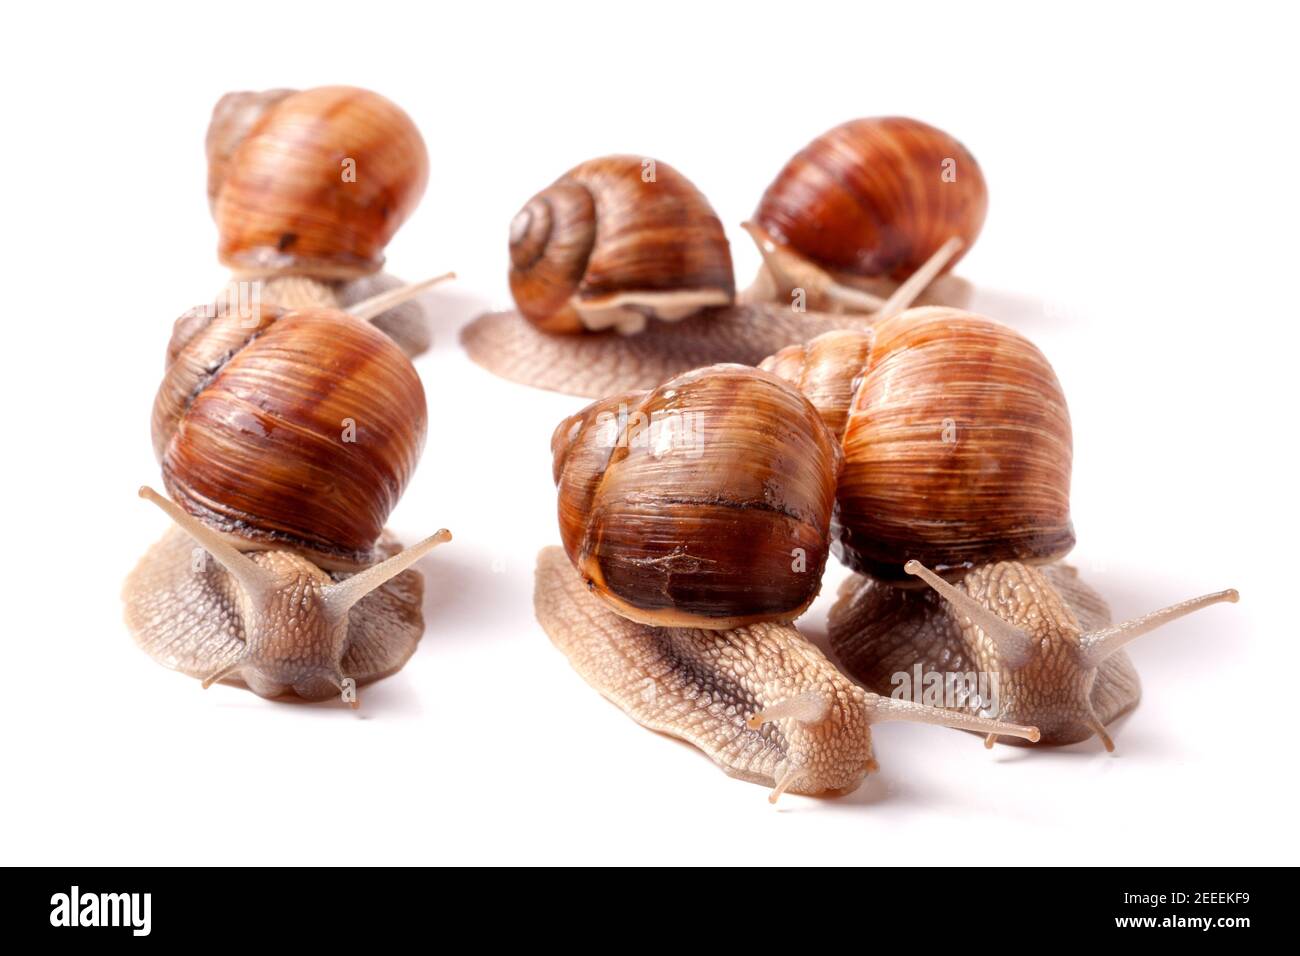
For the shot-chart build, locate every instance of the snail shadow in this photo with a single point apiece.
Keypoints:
(874, 790)
(392, 696)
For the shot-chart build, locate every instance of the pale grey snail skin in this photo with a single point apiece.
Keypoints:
(1045, 634)
(761, 700)
(388, 303)
(273, 621)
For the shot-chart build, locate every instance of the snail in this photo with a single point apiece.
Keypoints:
(956, 448)
(868, 215)
(695, 519)
(1044, 636)
(614, 243)
(622, 278)
(955, 437)
(307, 188)
(291, 435)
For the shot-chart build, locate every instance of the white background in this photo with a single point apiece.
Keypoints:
(1142, 230)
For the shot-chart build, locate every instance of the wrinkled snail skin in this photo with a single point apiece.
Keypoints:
(280, 188)
(761, 701)
(614, 242)
(603, 363)
(955, 436)
(876, 198)
(704, 502)
(192, 615)
(296, 430)
(405, 323)
(1042, 632)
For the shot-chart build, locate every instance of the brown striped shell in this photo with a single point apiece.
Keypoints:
(955, 436)
(876, 197)
(289, 430)
(313, 182)
(705, 502)
(615, 241)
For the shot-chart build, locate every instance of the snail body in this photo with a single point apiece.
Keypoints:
(615, 242)
(285, 439)
(760, 700)
(387, 302)
(696, 521)
(273, 621)
(1044, 634)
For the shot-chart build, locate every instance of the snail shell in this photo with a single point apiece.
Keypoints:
(955, 436)
(279, 187)
(876, 197)
(603, 247)
(289, 430)
(705, 502)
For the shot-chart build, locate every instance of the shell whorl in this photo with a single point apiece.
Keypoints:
(295, 430)
(705, 502)
(313, 182)
(955, 436)
(827, 371)
(613, 242)
(876, 197)
(233, 118)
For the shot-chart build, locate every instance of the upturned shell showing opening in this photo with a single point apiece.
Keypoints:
(314, 182)
(614, 242)
(876, 197)
(705, 502)
(297, 430)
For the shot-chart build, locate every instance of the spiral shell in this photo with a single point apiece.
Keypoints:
(956, 441)
(613, 242)
(705, 502)
(313, 182)
(876, 197)
(294, 430)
